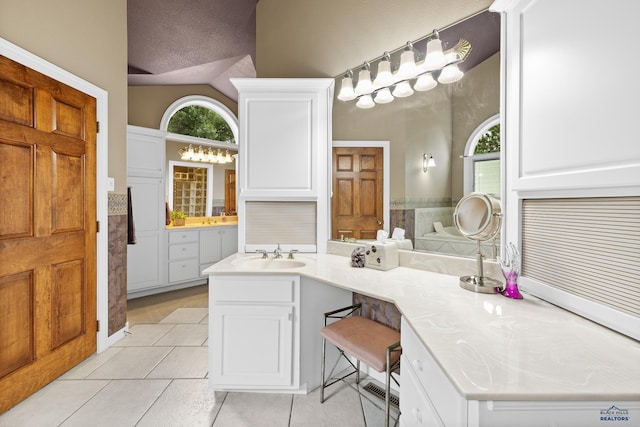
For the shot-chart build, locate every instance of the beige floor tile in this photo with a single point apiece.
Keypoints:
(254, 409)
(121, 403)
(186, 402)
(206, 319)
(185, 335)
(186, 315)
(182, 362)
(53, 404)
(144, 335)
(341, 407)
(91, 364)
(131, 362)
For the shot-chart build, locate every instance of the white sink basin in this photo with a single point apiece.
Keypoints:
(258, 263)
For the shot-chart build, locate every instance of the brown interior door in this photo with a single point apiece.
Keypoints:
(357, 192)
(47, 230)
(230, 191)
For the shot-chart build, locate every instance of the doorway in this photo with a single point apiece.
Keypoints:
(360, 189)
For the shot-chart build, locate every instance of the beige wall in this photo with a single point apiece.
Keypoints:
(147, 104)
(87, 38)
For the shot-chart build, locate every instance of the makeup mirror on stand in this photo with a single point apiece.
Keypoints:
(478, 216)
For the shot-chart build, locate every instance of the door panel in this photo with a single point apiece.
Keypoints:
(358, 191)
(47, 230)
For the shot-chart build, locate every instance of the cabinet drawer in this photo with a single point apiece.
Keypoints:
(255, 289)
(184, 270)
(449, 404)
(188, 250)
(183, 236)
(415, 406)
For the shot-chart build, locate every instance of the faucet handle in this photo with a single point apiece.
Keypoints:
(291, 252)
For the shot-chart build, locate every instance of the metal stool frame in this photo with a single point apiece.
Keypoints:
(330, 380)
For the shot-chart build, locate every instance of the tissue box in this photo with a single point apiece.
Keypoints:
(381, 256)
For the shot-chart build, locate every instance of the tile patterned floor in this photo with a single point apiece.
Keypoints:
(157, 376)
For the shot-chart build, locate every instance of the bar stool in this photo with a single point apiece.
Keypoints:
(373, 343)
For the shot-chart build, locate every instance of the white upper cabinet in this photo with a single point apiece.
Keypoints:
(145, 152)
(284, 141)
(571, 100)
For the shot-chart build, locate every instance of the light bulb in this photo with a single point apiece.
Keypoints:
(434, 59)
(384, 76)
(383, 96)
(407, 69)
(346, 89)
(364, 85)
(365, 102)
(425, 82)
(402, 90)
(450, 74)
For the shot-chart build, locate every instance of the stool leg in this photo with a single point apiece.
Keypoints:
(387, 396)
(324, 351)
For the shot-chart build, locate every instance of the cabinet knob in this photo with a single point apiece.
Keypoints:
(418, 365)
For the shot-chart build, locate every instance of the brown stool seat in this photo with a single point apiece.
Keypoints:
(364, 339)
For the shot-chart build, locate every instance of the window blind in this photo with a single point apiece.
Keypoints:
(280, 222)
(589, 247)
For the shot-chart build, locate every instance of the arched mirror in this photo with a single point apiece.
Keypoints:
(478, 217)
(200, 153)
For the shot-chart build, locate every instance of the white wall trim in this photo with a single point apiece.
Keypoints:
(30, 60)
(386, 162)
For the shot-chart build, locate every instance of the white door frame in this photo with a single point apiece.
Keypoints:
(386, 162)
(36, 63)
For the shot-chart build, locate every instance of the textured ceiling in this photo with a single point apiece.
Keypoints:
(209, 41)
(191, 42)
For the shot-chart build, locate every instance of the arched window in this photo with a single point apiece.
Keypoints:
(204, 103)
(482, 158)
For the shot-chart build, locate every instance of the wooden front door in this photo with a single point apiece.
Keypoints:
(47, 230)
(357, 192)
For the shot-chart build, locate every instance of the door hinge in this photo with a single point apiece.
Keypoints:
(97, 226)
(97, 326)
(97, 127)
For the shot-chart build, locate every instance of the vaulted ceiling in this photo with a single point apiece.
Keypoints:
(191, 42)
(209, 41)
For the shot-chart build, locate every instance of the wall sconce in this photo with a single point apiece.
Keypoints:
(427, 162)
(438, 66)
(204, 155)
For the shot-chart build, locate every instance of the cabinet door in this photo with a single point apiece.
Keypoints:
(210, 246)
(145, 152)
(144, 258)
(252, 346)
(229, 241)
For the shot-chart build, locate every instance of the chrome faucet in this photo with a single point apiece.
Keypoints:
(277, 252)
(291, 252)
(263, 252)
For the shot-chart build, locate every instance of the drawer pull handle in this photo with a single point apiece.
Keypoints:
(417, 415)
(418, 365)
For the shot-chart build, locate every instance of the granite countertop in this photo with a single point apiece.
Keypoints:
(491, 347)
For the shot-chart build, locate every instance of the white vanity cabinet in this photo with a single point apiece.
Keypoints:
(427, 397)
(265, 331)
(217, 243)
(253, 328)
